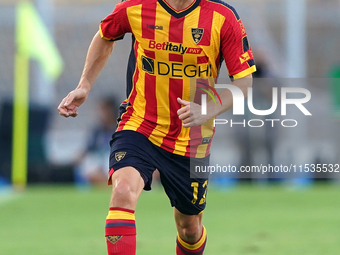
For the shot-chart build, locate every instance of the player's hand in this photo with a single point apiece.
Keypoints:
(190, 114)
(69, 105)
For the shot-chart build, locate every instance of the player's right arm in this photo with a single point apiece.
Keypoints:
(112, 28)
(97, 56)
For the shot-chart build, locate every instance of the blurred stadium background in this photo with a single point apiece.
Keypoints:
(61, 214)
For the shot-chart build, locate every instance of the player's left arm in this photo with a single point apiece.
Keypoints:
(191, 113)
(240, 64)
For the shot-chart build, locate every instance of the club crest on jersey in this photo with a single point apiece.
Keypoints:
(120, 155)
(197, 34)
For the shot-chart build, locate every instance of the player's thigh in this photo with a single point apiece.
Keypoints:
(130, 149)
(130, 168)
(186, 194)
(127, 185)
(130, 178)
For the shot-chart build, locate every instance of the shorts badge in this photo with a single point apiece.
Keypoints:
(120, 155)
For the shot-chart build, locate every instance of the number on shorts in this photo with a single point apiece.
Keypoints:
(195, 185)
(205, 192)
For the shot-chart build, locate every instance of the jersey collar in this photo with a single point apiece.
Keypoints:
(181, 13)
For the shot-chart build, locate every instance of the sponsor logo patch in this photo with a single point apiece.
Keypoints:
(177, 70)
(148, 65)
(245, 57)
(206, 140)
(156, 27)
(173, 47)
(243, 30)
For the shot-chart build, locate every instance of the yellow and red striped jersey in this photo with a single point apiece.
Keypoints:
(170, 48)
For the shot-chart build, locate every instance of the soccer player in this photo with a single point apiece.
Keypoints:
(159, 126)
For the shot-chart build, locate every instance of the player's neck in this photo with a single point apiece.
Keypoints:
(179, 4)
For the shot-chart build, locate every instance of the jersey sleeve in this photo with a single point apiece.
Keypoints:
(116, 25)
(235, 47)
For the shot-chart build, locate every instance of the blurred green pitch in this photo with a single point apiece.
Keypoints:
(60, 220)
